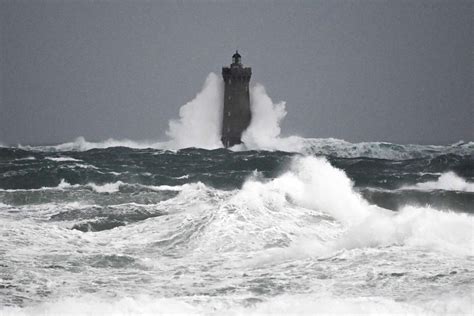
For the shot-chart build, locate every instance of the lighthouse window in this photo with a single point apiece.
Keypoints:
(230, 81)
(229, 97)
(228, 113)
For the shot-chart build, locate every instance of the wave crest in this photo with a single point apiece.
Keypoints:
(448, 181)
(313, 210)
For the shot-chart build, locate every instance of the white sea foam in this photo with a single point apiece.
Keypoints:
(312, 183)
(170, 187)
(64, 185)
(62, 159)
(107, 187)
(81, 144)
(26, 158)
(90, 305)
(186, 176)
(112, 187)
(419, 227)
(448, 181)
(308, 304)
(84, 166)
(287, 304)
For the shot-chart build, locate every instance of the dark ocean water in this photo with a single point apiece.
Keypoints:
(370, 227)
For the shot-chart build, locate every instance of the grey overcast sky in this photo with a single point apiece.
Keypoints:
(399, 71)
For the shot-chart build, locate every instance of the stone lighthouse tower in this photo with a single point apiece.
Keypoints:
(236, 101)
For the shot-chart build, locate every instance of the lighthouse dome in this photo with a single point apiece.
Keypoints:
(236, 58)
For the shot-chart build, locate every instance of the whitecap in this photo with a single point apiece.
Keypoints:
(107, 187)
(84, 166)
(186, 176)
(448, 181)
(61, 159)
(26, 158)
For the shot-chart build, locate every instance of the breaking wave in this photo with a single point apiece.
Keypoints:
(310, 188)
(448, 181)
(312, 183)
(61, 159)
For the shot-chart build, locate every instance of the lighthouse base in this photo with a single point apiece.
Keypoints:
(229, 141)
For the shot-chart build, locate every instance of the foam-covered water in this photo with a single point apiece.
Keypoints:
(282, 225)
(197, 231)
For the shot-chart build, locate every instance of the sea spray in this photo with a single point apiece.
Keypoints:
(264, 130)
(200, 120)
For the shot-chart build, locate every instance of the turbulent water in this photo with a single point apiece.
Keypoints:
(282, 225)
(124, 230)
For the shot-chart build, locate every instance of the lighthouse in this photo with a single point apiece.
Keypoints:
(236, 115)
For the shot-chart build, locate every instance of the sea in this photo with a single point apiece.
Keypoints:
(278, 225)
(371, 228)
